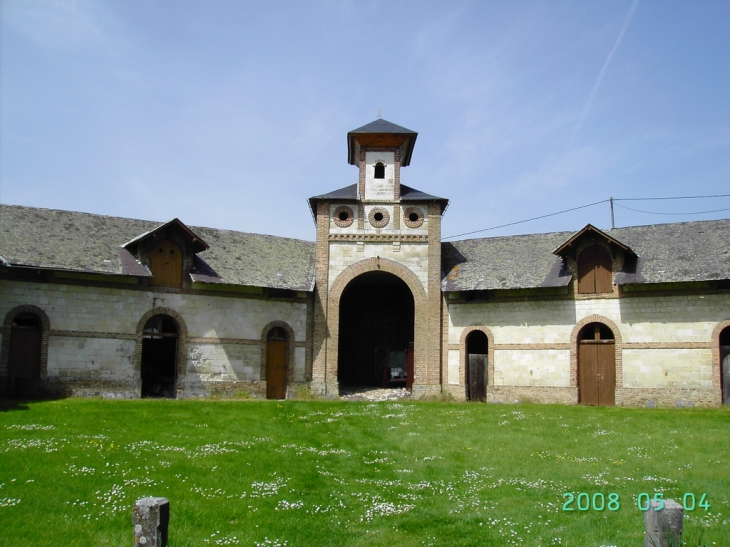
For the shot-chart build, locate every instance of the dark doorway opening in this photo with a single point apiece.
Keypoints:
(596, 365)
(376, 332)
(24, 364)
(159, 357)
(725, 365)
(276, 363)
(477, 349)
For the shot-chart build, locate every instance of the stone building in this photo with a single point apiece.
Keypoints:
(96, 305)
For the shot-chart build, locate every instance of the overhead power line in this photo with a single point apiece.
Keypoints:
(611, 200)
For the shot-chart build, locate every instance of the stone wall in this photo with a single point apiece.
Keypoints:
(95, 337)
(665, 351)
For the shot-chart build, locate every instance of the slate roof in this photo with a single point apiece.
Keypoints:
(667, 253)
(82, 242)
(382, 127)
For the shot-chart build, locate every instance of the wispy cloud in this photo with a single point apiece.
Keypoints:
(589, 103)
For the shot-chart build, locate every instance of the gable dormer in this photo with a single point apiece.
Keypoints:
(594, 257)
(168, 251)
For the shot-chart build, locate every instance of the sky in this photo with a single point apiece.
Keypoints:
(231, 114)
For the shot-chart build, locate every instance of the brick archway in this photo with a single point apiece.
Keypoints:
(420, 302)
(182, 353)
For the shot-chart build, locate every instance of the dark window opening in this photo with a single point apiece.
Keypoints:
(277, 333)
(378, 217)
(159, 357)
(596, 331)
(477, 296)
(344, 216)
(379, 170)
(413, 217)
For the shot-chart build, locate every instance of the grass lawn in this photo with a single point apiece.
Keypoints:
(311, 473)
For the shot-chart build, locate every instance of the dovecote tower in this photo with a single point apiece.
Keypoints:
(378, 262)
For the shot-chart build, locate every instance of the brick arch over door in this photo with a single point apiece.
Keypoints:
(462, 353)
(182, 344)
(290, 349)
(45, 329)
(716, 364)
(618, 348)
(420, 302)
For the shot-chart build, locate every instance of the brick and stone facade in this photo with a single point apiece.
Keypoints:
(663, 311)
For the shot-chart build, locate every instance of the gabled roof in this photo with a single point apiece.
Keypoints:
(82, 242)
(195, 243)
(667, 253)
(381, 133)
(590, 229)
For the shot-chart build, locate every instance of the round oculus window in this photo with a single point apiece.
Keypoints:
(413, 217)
(378, 217)
(343, 216)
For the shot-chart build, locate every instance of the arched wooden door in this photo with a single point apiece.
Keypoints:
(24, 364)
(276, 363)
(476, 366)
(725, 365)
(597, 365)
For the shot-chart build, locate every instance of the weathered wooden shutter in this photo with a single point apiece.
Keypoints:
(166, 264)
(594, 271)
(25, 352)
(477, 377)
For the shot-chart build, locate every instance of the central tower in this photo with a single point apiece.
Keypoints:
(378, 266)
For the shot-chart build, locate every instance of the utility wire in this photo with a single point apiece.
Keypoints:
(527, 220)
(681, 197)
(598, 203)
(656, 213)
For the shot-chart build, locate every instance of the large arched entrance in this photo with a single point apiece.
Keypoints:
(596, 365)
(159, 356)
(725, 365)
(376, 332)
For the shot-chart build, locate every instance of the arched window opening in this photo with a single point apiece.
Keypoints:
(596, 365)
(594, 271)
(24, 364)
(166, 261)
(725, 365)
(477, 349)
(277, 361)
(159, 356)
(380, 170)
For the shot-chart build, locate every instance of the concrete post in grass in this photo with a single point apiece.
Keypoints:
(150, 518)
(663, 528)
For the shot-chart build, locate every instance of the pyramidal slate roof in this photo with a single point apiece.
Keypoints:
(383, 126)
(667, 253)
(83, 242)
(381, 133)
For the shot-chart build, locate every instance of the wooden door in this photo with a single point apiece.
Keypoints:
(24, 364)
(725, 374)
(276, 364)
(597, 372)
(476, 376)
(166, 264)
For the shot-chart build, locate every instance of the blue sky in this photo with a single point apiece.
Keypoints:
(231, 114)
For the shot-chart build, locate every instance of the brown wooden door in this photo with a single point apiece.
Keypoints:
(476, 376)
(594, 271)
(166, 264)
(276, 361)
(597, 372)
